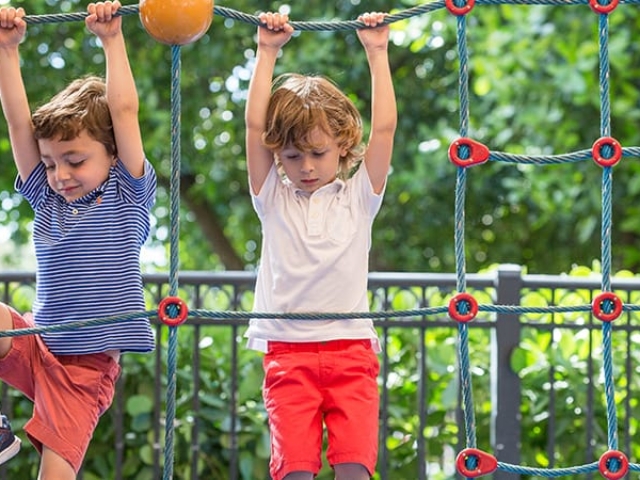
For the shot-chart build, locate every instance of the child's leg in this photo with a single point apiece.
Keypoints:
(351, 471)
(6, 323)
(54, 467)
(9, 443)
(299, 476)
(351, 411)
(293, 400)
(74, 392)
(71, 394)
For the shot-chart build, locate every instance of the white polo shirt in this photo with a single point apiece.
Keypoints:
(315, 258)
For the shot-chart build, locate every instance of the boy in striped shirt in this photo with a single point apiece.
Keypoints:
(82, 167)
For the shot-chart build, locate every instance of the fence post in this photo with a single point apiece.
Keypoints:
(505, 384)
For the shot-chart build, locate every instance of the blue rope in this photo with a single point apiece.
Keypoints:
(174, 260)
(548, 472)
(460, 195)
(607, 185)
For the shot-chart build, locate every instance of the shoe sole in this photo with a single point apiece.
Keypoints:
(10, 452)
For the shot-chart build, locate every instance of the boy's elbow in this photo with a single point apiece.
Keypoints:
(388, 128)
(124, 108)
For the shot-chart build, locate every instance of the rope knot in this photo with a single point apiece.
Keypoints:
(472, 463)
(459, 7)
(606, 151)
(172, 311)
(613, 465)
(465, 152)
(607, 306)
(463, 308)
(603, 6)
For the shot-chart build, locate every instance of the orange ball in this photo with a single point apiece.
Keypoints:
(176, 22)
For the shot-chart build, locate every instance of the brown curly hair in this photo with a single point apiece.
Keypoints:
(301, 103)
(82, 105)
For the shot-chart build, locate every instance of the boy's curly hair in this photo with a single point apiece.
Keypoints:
(299, 104)
(82, 105)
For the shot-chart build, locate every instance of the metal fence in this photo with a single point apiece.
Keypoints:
(499, 344)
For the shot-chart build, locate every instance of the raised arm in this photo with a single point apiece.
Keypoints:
(272, 35)
(384, 117)
(15, 104)
(122, 95)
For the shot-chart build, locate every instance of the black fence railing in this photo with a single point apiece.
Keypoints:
(536, 377)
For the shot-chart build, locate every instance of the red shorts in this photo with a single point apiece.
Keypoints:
(69, 392)
(308, 384)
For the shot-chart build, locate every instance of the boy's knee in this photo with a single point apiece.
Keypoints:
(351, 471)
(6, 323)
(54, 467)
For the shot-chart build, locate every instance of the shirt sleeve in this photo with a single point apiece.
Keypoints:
(35, 187)
(140, 190)
(362, 183)
(267, 193)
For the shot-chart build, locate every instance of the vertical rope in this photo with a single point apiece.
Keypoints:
(463, 332)
(463, 92)
(607, 182)
(605, 131)
(174, 258)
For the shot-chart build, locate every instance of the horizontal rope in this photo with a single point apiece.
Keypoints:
(556, 472)
(548, 472)
(319, 25)
(313, 316)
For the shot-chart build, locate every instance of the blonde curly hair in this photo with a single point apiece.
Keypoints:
(300, 104)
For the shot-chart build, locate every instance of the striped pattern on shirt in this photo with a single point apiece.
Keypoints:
(88, 255)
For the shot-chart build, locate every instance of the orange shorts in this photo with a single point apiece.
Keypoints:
(69, 392)
(308, 384)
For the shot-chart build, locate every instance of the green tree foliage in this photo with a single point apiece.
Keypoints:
(533, 90)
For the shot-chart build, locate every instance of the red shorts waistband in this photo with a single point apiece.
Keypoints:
(328, 346)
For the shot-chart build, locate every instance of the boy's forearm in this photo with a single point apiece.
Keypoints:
(122, 97)
(260, 88)
(121, 88)
(15, 106)
(383, 100)
(12, 92)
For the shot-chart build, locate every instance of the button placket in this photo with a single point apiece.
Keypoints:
(315, 216)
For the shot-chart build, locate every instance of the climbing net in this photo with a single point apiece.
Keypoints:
(464, 152)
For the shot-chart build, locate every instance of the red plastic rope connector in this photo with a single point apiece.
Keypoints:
(606, 461)
(454, 310)
(463, 10)
(596, 151)
(484, 463)
(597, 7)
(172, 319)
(606, 297)
(478, 153)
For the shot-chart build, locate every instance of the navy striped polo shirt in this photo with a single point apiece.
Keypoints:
(88, 256)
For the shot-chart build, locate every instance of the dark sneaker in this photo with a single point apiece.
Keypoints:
(9, 443)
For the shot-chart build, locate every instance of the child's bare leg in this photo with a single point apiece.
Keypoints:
(6, 323)
(54, 467)
(299, 476)
(351, 471)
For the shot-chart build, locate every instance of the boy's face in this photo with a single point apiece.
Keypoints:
(75, 167)
(310, 170)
